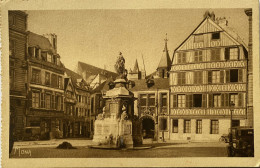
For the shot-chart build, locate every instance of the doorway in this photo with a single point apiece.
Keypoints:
(148, 128)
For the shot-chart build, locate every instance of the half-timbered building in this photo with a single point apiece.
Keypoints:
(208, 74)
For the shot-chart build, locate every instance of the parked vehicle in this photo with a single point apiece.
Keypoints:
(31, 133)
(224, 138)
(241, 142)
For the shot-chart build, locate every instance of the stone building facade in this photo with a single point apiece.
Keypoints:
(209, 72)
(17, 72)
(45, 86)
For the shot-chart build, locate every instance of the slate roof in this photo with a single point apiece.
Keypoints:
(165, 61)
(74, 79)
(159, 83)
(35, 40)
(92, 70)
(136, 68)
(103, 87)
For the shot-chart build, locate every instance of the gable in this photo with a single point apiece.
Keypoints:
(205, 31)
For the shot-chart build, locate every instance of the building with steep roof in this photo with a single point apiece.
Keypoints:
(77, 116)
(135, 73)
(94, 76)
(45, 87)
(208, 82)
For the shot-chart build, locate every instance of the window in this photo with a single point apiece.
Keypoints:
(198, 77)
(49, 57)
(215, 76)
(44, 56)
(215, 36)
(36, 99)
(163, 124)
(54, 80)
(233, 75)
(36, 76)
(231, 53)
(151, 100)
(181, 78)
(198, 126)
(215, 54)
(217, 100)
(181, 58)
(54, 59)
(187, 126)
(175, 126)
(42, 100)
(214, 127)
(164, 99)
(234, 99)
(59, 102)
(47, 78)
(198, 56)
(181, 101)
(60, 82)
(198, 38)
(11, 47)
(48, 101)
(37, 53)
(197, 100)
(235, 123)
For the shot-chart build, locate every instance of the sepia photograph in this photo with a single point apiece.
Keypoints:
(148, 83)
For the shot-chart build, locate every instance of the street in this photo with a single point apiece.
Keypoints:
(47, 149)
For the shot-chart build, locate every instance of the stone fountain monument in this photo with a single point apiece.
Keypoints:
(113, 128)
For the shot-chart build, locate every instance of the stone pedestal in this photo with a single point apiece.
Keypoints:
(113, 128)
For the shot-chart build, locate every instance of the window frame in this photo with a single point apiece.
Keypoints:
(215, 54)
(181, 101)
(174, 127)
(199, 126)
(214, 126)
(187, 126)
(34, 78)
(215, 33)
(198, 56)
(34, 98)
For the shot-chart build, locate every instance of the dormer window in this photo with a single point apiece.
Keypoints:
(198, 38)
(44, 56)
(37, 53)
(49, 57)
(215, 36)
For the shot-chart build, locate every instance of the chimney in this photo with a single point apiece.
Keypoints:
(53, 40)
(250, 114)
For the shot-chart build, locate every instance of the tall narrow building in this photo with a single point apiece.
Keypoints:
(135, 73)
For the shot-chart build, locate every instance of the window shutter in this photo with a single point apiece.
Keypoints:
(240, 75)
(200, 77)
(210, 100)
(226, 53)
(221, 76)
(195, 77)
(227, 76)
(191, 100)
(240, 99)
(179, 78)
(188, 101)
(183, 78)
(204, 100)
(226, 100)
(179, 57)
(222, 100)
(183, 57)
(174, 100)
(209, 76)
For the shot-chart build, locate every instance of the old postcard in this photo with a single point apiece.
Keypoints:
(113, 83)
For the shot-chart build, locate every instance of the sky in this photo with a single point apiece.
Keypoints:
(97, 36)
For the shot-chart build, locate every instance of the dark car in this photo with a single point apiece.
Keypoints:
(241, 142)
(31, 134)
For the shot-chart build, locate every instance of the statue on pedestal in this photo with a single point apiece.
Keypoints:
(120, 67)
